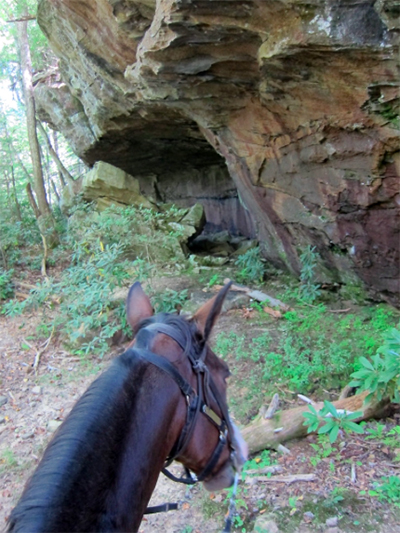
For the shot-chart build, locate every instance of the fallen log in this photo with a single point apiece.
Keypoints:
(259, 296)
(262, 433)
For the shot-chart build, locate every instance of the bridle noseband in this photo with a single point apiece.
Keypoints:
(197, 402)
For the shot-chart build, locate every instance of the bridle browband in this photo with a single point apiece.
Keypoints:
(197, 402)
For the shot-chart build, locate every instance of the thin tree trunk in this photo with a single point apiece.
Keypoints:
(46, 221)
(32, 200)
(67, 177)
(17, 206)
(53, 185)
(60, 174)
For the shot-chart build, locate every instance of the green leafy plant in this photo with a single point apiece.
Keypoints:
(170, 301)
(387, 490)
(381, 374)
(214, 280)
(309, 290)
(323, 449)
(6, 287)
(334, 420)
(336, 496)
(252, 267)
(8, 460)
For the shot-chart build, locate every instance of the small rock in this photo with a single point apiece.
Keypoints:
(37, 390)
(266, 523)
(332, 522)
(3, 400)
(308, 516)
(53, 425)
(27, 436)
(2, 420)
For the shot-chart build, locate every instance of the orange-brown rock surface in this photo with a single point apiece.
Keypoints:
(285, 112)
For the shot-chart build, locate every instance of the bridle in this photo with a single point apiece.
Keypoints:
(197, 402)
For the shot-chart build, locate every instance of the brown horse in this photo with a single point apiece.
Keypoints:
(163, 399)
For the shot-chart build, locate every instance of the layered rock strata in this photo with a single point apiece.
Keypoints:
(284, 112)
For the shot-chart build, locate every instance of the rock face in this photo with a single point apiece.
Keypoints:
(281, 117)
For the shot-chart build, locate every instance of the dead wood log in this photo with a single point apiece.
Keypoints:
(261, 433)
(259, 296)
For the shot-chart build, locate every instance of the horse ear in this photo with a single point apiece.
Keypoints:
(138, 306)
(208, 313)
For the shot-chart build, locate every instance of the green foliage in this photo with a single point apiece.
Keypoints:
(257, 463)
(307, 351)
(389, 438)
(8, 460)
(252, 267)
(333, 421)
(141, 232)
(6, 287)
(84, 291)
(16, 236)
(336, 496)
(381, 374)
(323, 449)
(309, 290)
(170, 301)
(99, 245)
(387, 490)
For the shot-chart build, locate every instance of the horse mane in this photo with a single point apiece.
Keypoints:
(91, 429)
(86, 440)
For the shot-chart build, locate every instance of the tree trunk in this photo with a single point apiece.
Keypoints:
(264, 433)
(63, 171)
(17, 206)
(47, 224)
(60, 174)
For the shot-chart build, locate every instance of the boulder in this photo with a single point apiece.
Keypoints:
(110, 184)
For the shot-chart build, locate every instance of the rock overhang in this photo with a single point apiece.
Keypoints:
(299, 100)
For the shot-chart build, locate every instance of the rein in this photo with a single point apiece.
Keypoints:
(197, 402)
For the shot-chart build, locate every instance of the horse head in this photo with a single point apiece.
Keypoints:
(163, 399)
(210, 444)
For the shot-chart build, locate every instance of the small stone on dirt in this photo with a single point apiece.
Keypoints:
(266, 523)
(332, 522)
(37, 390)
(53, 425)
(3, 400)
(308, 516)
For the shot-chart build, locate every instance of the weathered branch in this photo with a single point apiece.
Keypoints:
(259, 296)
(22, 19)
(41, 351)
(261, 433)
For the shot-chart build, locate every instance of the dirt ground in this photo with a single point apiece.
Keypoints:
(32, 406)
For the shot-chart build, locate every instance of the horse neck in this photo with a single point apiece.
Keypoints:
(102, 466)
(158, 419)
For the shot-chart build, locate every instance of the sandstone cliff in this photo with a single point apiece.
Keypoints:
(281, 115)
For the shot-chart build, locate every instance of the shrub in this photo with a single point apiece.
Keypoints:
(309, 290)
(381, 374)
(252, 267)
